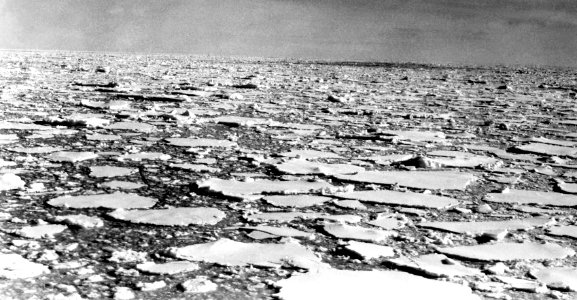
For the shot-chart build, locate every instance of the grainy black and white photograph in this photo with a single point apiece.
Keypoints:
(288, 149)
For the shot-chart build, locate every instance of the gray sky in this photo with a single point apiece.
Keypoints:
(541, 32)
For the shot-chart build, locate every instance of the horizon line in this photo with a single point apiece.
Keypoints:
(311, 60)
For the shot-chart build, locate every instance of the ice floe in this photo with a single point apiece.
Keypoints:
(169, 268)
(291, 216)
(547, 149)
(509, 251)
(296, 200)
(14, 266)
(343, 231)
(301, 166)
(252, 190)
(309, 154)
(533, 197)
(488, 226)
(41, 231)
(367, 285)
(400, 198)
(201, 142)
(280, 231)
(114, 200)
(369, 250)
(194, 167)
(70, 156)
(566, 231)
(462, 159)
(415, 179)
(36, 150)
(144, 156)
(132, 126)
(82, 221)
(231, 253)
(110, 171)
(197, 285)
(10, 181)
(435, 265)
(179, 216)
(123, 185)
(562, 278)
(416, 136)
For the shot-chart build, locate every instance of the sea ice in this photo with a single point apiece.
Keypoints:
(533, 197)
(415, 179)
(409, 199)
(114, 200)
(368, 285)
(343, 231)
(14, 266)
(110, 171)
(179, 216)
(231, 253)
(509, 251)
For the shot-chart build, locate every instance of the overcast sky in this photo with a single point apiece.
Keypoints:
(541, 32)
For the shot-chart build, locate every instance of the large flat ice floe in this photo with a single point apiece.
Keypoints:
(280, 231)
(237, 121)
(488, 226)
(570, 188)
(201, 142)
(305, 167)
(124, 185)
(296, 200)
(369, 250)
(169, 268)
(416, 136)
(132, 126)
(144, 156)
(563, 278)
(457, 159)
(41, 231)
(368, 285)
(348, 232)
(36, 150)
(414, 179)
(547, 149)
(533, 197)
(194, 167)
(114, 200)
(435, 265)
(291, 216)
(400, 198)
(509, 251)
(231, 253)
(14, 266)
(309, 154)
(252, 190)
(180, 216)
(110, 171)
(566, 231)
(71, 156)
